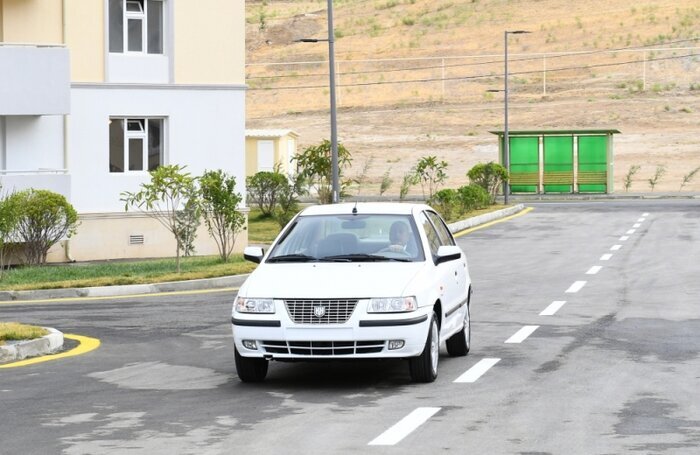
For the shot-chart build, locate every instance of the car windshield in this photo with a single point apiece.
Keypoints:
(349, 238)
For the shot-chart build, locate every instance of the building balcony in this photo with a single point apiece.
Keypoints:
(56, 180)
(35, 80)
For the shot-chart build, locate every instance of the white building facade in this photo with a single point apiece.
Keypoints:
(152, 82)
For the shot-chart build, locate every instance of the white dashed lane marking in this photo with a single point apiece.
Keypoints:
(623, 238)
(475, 372)
(631, 231)
(577, 286)
(605, 257)
(553, 308)
(593, 270)
(645, 214)
(636, 225)
(615, 247)
(641, 220)
(522, 334)
(404, 427)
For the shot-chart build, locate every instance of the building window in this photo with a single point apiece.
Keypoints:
(136, 25)
(135, 144)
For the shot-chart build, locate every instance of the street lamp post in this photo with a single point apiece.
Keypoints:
(506, 141)
(335, 174)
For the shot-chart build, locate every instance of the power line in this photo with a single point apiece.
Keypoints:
(481, 76)
(460, 65)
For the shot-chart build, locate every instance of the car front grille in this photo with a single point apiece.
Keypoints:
(323, 348)
(320, 311)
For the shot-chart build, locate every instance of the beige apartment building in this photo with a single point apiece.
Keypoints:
(95, 93)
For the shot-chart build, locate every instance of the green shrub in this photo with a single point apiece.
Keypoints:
(473, 197)
(220, 203)
(489, 176)
(45, 218)
(264, 188)
(447, 203)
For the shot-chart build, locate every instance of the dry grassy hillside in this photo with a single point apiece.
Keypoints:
(413, 75)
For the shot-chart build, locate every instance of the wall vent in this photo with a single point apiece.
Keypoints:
(136, 239)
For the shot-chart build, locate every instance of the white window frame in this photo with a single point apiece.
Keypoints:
(143, 17)
(143, 135)
(135, 15)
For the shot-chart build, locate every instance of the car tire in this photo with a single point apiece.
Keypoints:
(458, 344)
(423, 368)
(250, 369)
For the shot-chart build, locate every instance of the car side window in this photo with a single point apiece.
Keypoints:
(431, 233)
(443, 233)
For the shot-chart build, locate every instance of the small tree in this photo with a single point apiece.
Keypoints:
(314, 165)
(288, 201)
(45, 218)
(630, 174)
(386, 182)
(220, 203)
(10, 212)
(431, 172)
(163, 197)
(264, 188)
(660, 171)
(688, 177)
(361, 179)
(188, 219)
(407, 182)
(489, 176)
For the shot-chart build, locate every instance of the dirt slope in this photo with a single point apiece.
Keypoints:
(413, 76)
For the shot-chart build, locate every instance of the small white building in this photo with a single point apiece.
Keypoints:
(266, 149)
(94, 94)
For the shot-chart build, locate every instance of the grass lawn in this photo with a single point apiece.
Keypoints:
(17, 331)
(121, 272)
(261, 229)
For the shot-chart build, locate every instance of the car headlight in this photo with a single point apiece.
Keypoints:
(392, 305)
(246, 305)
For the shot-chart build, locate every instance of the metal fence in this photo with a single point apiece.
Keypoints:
(298, 86)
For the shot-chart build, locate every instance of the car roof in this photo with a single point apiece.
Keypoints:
(375, 208)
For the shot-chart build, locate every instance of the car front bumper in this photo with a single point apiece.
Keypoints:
(360, 337)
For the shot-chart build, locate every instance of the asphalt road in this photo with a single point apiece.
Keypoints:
(614, 369)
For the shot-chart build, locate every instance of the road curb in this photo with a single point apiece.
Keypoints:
(131, 289)
(485, 218)
(32, 348)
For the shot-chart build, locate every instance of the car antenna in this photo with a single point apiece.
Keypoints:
(354, 209)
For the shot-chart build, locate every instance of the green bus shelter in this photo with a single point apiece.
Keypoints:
(559, 161)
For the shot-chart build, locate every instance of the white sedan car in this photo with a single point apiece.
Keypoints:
(352, 281)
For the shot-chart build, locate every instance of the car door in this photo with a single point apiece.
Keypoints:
(445, 272)
(457, 273)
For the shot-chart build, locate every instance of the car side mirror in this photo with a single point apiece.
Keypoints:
(253, 254)
(448, 253)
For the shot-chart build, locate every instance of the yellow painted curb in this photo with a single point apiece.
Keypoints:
(115, 297)
(491, 223)
(86, 345)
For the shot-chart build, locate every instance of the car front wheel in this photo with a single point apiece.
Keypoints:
(250, 369)
(424, 367)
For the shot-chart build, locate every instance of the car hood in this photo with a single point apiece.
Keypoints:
(330, 280)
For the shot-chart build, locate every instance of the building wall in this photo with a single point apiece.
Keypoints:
(32, 21)
(85, 37)
(209, 48)
(34, 142)
(89, 242)
(204, 130)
